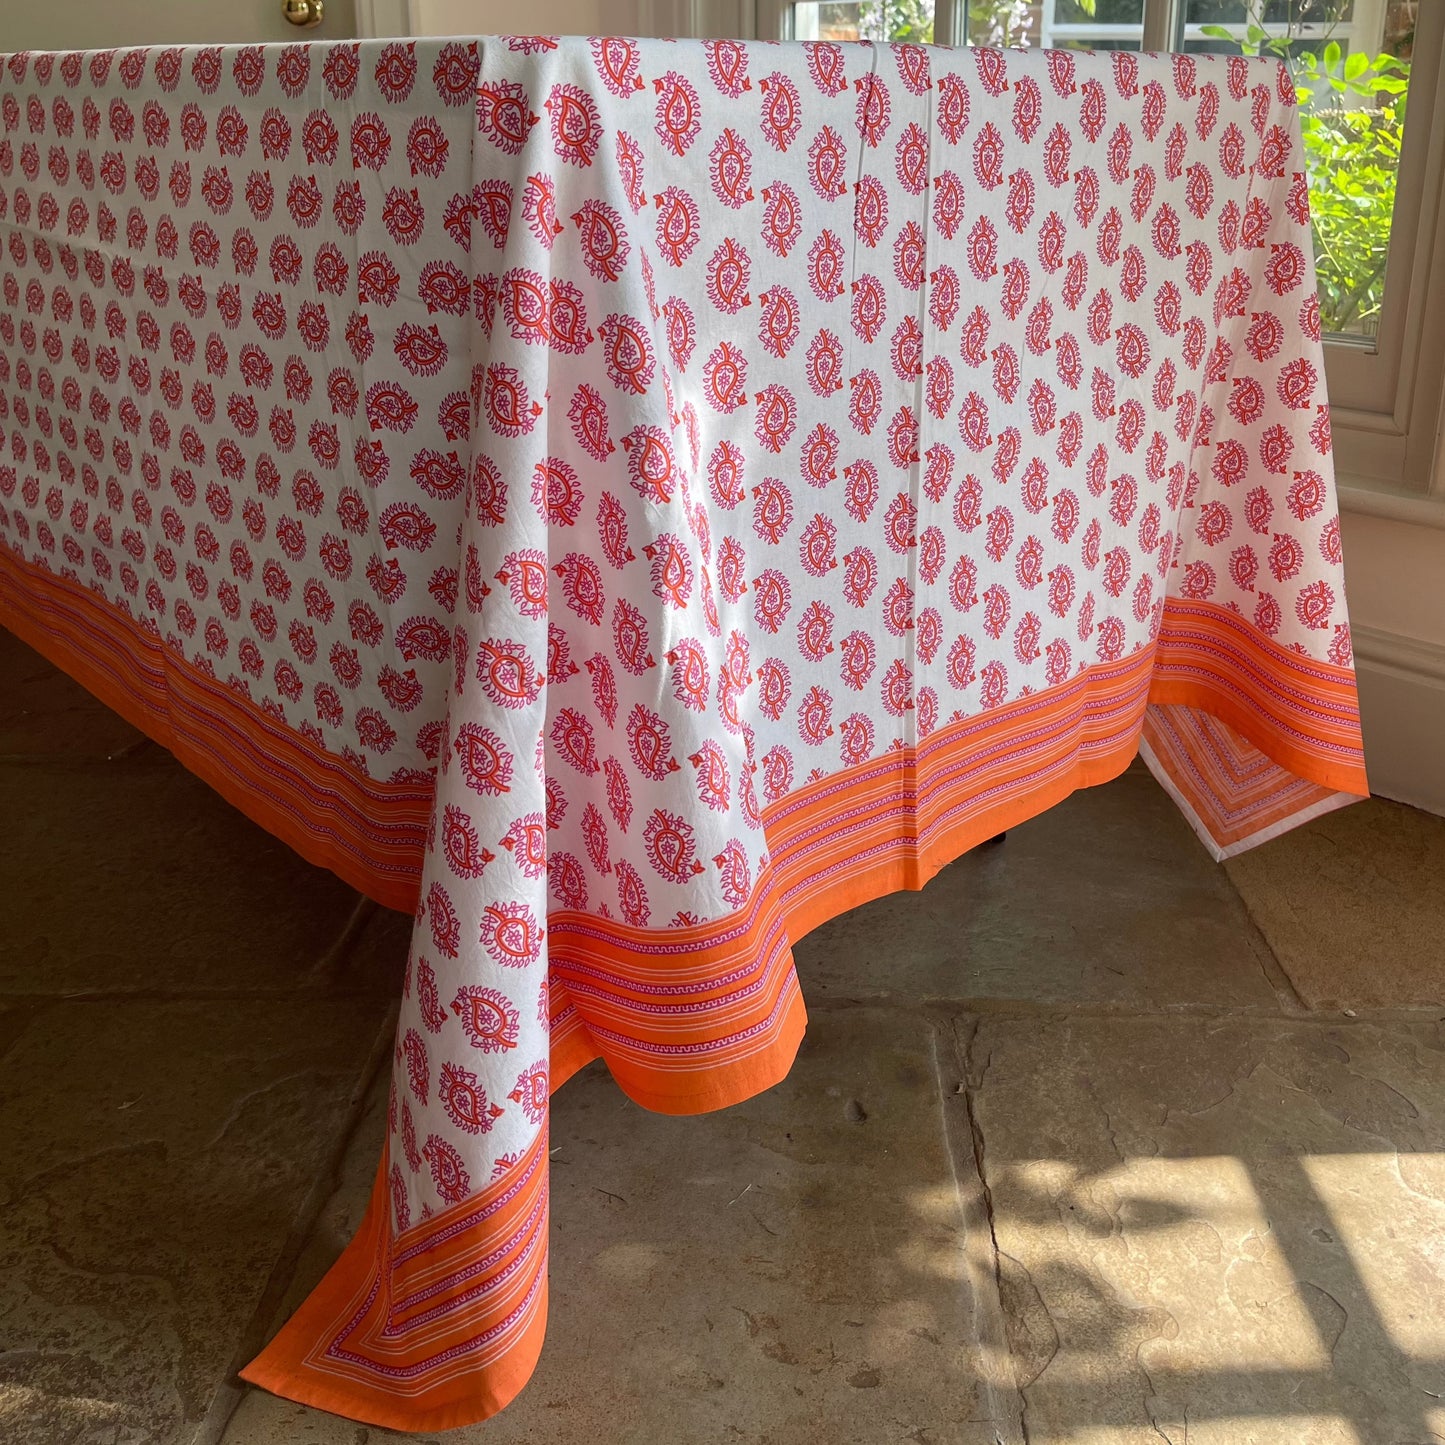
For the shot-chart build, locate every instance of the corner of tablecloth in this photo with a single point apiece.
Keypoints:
(1208, 811)
(1250, 739)
(435, 1328)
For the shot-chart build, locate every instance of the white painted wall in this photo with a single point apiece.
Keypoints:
(1395, 573)
(1395, 576)
(540, 17)
(99, 24)
(705, 19)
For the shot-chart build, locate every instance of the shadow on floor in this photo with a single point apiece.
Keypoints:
(1081, 1145)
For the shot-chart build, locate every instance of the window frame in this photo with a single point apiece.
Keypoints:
(773, 20)
(1386, 399)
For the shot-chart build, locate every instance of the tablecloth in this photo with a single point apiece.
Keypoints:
(629, 501)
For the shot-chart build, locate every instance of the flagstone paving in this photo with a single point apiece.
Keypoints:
(1089, 1141)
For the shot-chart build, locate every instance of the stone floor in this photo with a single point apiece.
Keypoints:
(1090, 1141)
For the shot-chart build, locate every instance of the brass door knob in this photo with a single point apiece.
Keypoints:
(304, 13)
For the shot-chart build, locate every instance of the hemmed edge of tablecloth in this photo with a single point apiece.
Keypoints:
(1093, 724)
(736, 1083)
(883, 826)
(294, 1364)
(299, 793)
(1301, 713)
(1249, 738)
(1222, 853)
(1055, 761)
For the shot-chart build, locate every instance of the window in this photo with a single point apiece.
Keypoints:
(1119, 24)
(882, 20)
(1351, 62)
(1091, 24)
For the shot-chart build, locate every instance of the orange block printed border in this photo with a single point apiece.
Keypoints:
(1249, 738)
(1235, 795)
(441, 1324)
(689, 1019)
(369, 833)
(438, 1327)
(1303, 714)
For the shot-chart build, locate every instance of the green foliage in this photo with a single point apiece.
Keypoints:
(1353, 158)
(1001, 23)
(902, 21)
(1352, 119)
(899, 21)
(997, 23)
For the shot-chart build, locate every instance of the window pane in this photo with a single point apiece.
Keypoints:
(1352, 86)
(1108, 42)
(1002, 22)
(1074, 42)
(1102, 12)
(1272, 12)
(881, 20)
(1091, 24)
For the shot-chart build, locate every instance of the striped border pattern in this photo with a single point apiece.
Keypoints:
(438, 1327)
(1235, 795)
(695, 1018)
(1249, 738)
(1303, 714)
(442, 1325)
(371, 834)
(893, 822)
(688, 1019)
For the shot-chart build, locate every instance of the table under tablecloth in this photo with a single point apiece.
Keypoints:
(630, 501)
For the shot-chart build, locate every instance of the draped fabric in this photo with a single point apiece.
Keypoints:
(630, 501)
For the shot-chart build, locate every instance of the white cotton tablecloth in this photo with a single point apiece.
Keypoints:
(630, 501)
